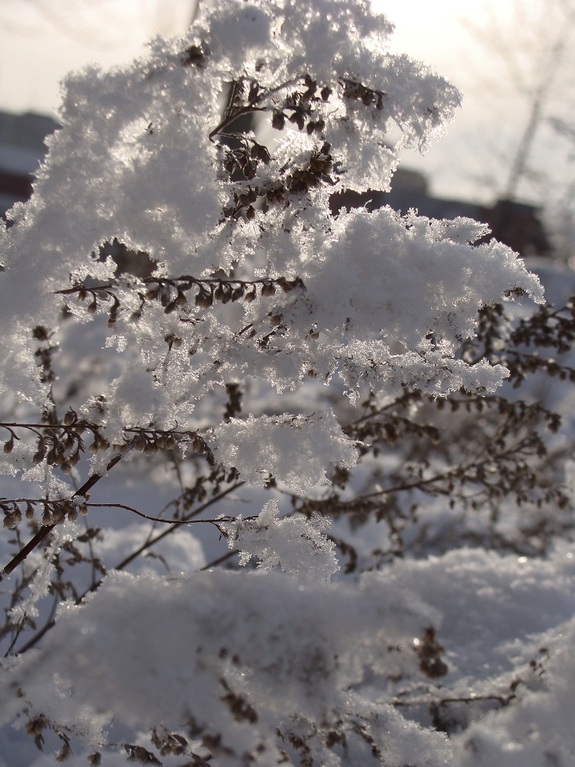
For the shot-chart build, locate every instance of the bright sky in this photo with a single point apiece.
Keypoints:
(40, 40)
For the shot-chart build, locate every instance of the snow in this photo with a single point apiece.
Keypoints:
(505, 624)
(286, 543)
(299, 450)
(448, 656)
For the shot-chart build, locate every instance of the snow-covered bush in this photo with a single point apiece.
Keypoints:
(262, 365)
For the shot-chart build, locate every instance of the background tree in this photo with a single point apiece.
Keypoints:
(522, 55)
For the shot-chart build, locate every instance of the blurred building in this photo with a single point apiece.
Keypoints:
(513, 223)
(22, 149)
(519, 226)
(516, 224)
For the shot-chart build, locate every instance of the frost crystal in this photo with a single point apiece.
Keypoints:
(236, 310)
(297, 545)
(298, 450)
(143, 159)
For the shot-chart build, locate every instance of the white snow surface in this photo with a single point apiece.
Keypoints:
(283, 642)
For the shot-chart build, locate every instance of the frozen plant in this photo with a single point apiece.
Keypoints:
(255, 310)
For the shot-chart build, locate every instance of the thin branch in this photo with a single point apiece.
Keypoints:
(504, 700)
(137, 552)
(45, 530)
(150, 542)
(219, 560)
(163, 520)
(239, 112)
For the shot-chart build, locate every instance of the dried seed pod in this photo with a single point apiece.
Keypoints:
(58, 514)
(173, 340)
(162, 441)
(69, 441)
(204, 299)
(165, 295)
(196, 55)
(198, 443)
(249, 168)
(92, 306)
(9, 520)
(278, 120)
(171, 442)
(260, 152)
(70, 417)
(251, 296)
(268, 289)
(139, 442)
(41, 333)
(299, 119)
(153, 293)
(113, 316)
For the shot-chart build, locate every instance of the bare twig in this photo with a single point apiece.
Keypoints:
(45, 530)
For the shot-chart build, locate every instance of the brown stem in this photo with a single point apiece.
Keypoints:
(169, 521)
(219, 560)
(45, 530)
(136, 553)
(151, 541)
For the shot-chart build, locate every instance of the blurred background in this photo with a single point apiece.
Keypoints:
(508, 158)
